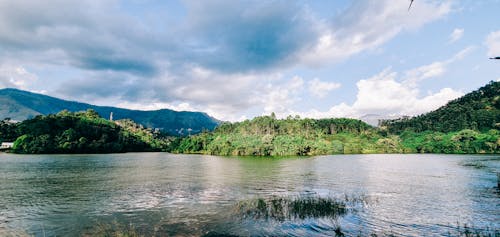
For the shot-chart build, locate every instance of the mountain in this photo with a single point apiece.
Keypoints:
(20, 105)
(477, 110)
(374, 119)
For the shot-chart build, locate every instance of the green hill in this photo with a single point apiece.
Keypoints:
(478, 110)
(20, 105)
(80, 132)
(268, 136)
(466, 125)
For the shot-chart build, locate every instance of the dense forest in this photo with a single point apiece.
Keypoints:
(80, 132)
(268, 136)
(469, 124)
(466, 125)
(478, 110)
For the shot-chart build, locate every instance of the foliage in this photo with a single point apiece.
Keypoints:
(82, 132)
(8, 131)
(478, 110)
(268, 136)
(466, 125)
(294, 208)
(21, 105)
(463, 142)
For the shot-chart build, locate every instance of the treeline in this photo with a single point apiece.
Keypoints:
(80, 132)
(478, 110)
(268, 136)
(466, 125)
(465, 141)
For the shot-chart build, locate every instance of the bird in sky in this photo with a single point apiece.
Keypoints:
(495, 58)
(411, 2)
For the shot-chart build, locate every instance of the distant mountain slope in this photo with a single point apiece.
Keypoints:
(479, 110)
(20, 105)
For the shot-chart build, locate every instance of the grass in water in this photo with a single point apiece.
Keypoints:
(114, 229)
(285, 208)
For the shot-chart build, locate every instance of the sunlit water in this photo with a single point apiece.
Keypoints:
(191, 195)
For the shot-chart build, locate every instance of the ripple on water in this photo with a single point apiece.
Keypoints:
(195, 195)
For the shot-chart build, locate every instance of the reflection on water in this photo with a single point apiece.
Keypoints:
(165, 194)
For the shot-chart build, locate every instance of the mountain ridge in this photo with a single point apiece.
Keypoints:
(20, 105)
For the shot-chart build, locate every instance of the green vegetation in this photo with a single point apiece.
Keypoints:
(21, 105)
(478, 110)
(268, 136)
(462, 142)
(81, 132)
(467, 125)
(7, 131)
(284, 208)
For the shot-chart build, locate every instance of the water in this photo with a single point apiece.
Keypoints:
(190, 195)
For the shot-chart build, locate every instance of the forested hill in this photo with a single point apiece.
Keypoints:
(268, 136)
(478, 110)
(20, 105)
(80, 132)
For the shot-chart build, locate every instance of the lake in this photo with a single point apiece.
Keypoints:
(193, 195)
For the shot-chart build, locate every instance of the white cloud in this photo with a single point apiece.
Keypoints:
(457, 34)
(434, 69)
(195, 64)
(321, 88)
(16, 76)
(367, 25)
(383, 95)
(279, 98)
(389, 94)
(493, 44)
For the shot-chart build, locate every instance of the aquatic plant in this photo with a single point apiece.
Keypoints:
(293, 208)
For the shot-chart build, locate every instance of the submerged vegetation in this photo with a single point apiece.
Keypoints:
(283, 208)
(300, 207)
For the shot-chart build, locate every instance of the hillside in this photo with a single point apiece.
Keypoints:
(466, 125)
(478, 110)
(80, 132)
(268, 136)
(20, 105)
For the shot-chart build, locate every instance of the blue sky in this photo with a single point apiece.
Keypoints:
(240, 59)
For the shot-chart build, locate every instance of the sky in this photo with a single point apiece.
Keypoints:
(239, 59)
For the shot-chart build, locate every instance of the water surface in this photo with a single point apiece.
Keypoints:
(164, 194)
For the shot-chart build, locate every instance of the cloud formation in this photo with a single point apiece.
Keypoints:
(457, 34)
(220, 57)
(393, 94)
(15, 76)
(493, 44)
(321, 88)
(366, 25)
